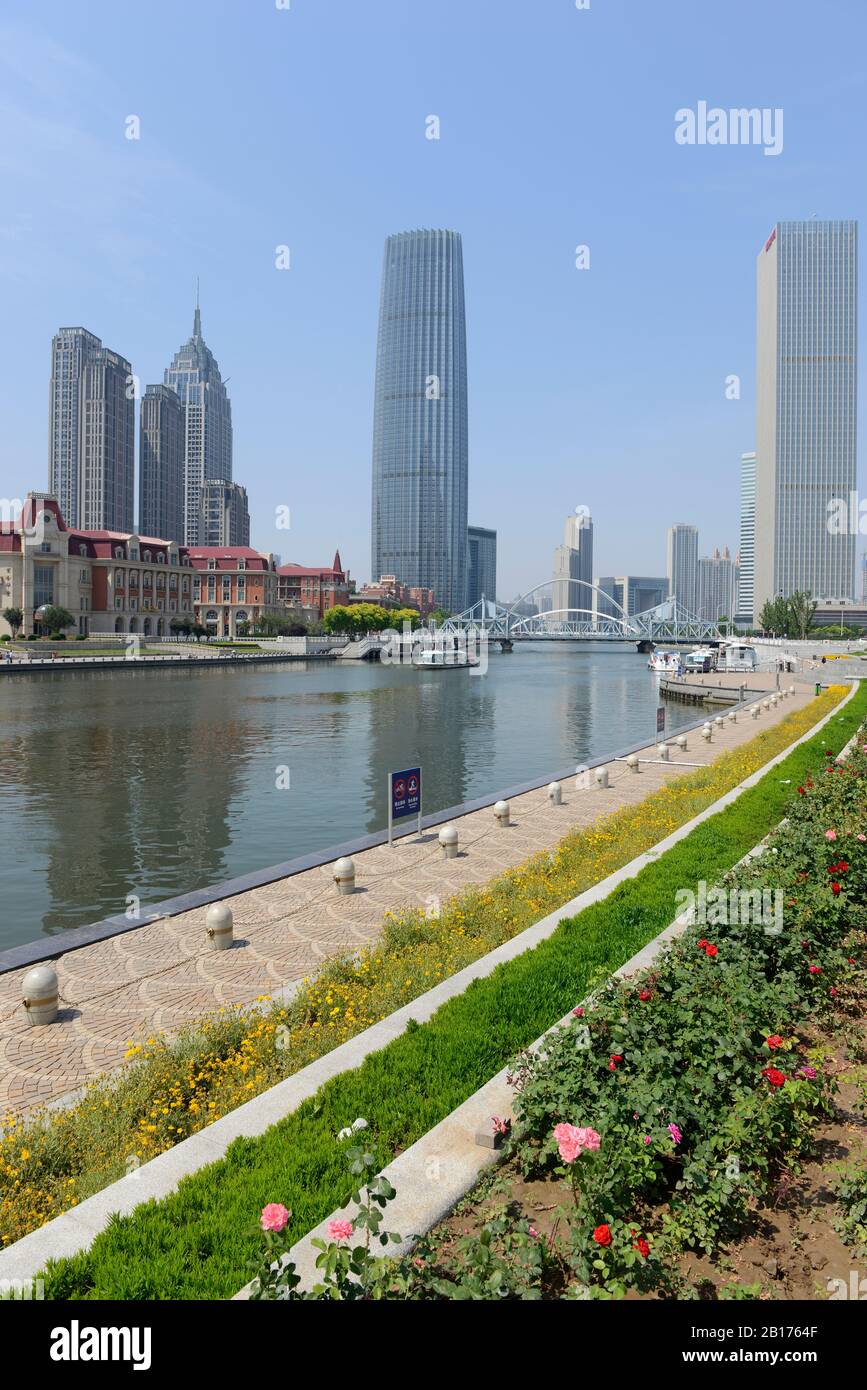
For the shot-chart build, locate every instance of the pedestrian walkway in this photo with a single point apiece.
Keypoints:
(162, 975)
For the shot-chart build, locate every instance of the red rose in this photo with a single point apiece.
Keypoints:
(776, 1078)
(602, 1235)
(835, 889)
(774, 1041)
(702, 943)
(644, 995)
(642, 1247)
(710, 950)
(801, 791)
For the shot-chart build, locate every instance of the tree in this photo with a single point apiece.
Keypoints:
(405, 615)
(55, 619)
(802, 609)
(182, 625)
(439, 616)
(775, 616)
(14, 618)
(198, 630)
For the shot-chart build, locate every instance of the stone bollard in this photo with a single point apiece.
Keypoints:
(682, 742)
(632, 762)
(602, 776)
(219, 926)
(719, 722)
(766, 704)
(662, 750)
(344, 876)
(791, 690)
(501, 811)
(733, 717)
(555, 793)
(707, 733)
(755, 710)
(39, 988)
(448, 838)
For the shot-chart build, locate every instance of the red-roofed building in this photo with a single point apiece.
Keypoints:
(113, 581)
(314, 589)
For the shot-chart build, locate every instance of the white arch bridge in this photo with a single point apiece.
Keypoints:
(667, 624)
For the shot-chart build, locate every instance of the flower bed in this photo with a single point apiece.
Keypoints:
(683, 1099)
(173, 1088)
(194, 1244)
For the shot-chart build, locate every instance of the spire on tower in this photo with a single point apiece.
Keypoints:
(197, 318)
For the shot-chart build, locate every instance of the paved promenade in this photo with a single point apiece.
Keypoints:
(161, 975)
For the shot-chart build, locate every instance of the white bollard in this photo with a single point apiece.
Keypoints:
(632, 762)
(707, 733)
(219, 926)
(448, 838)
(719, 721)
(344, 876)
(733, 718)
(662, 750)
(39, 988)
(755, 711)
(501, 811)
(602, 776)
(555, 793)
(682, 742)
(766, 704)
(791, 690)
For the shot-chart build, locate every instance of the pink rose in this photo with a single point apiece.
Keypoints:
(589, 1139)
(830, 834)
(339, 1230)
(568, 1141)
(274, 1217)
(862, 838)
(675, 1133)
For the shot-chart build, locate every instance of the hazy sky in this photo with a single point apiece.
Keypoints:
(305, 127)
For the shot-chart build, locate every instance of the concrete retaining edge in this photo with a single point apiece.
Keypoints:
(75, 1230)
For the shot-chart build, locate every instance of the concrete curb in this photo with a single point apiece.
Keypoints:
(75, 1230)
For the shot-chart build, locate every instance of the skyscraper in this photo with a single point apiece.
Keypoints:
(161, 465)
(196, 378)
(481, 564)
(91, 432)
(419, 501)
(746, 553)
(806, 388)
(225, 518)
(683, 565)
(716, 586)
(573, 567)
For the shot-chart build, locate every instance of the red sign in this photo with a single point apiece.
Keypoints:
(771, 239)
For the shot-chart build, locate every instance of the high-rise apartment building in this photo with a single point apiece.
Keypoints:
(161, 464)
(91, 432)
(683, 565)
(224, 516)
(747, 549)
(573, 567)
(716, 586)
(195, 376)
(419, 494)
(481, 564)
(806, 392)
(628, 593)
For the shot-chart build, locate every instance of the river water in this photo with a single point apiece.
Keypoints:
(154, 783)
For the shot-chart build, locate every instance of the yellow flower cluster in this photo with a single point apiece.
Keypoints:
(172, 1088)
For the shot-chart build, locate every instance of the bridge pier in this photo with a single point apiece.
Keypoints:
(506, 644)
(646, 645)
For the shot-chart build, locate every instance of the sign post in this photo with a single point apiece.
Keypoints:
(404, 797)
(660, 720)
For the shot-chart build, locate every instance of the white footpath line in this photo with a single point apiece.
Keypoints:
(76, 1230)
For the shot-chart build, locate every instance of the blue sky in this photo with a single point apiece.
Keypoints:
(306, 127)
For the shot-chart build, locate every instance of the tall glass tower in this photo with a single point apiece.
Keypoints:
(683, 565)
(806, 393)
(419, 511)
(747, 548)
(196, 378)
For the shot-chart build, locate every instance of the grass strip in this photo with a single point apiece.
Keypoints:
(196, 1244)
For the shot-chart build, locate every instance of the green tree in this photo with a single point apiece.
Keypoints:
(775, 616)
(182, 625)
(439, 616)
(14, 618)
(341, 618)
(56, 619)
(405, 615)
(802, 610)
